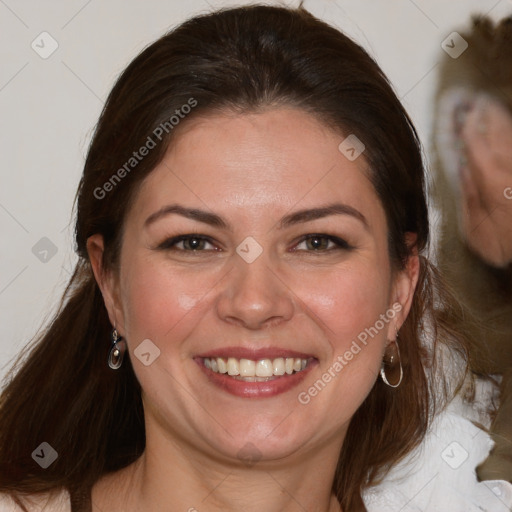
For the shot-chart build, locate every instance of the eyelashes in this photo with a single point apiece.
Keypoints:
(320, 243)
(191, 242)
(313, 242)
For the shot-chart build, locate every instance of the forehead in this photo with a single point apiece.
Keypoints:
(257, 164)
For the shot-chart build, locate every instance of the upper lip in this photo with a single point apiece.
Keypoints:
(254, 354)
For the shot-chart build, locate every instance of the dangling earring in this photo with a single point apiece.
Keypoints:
(392, 365)
(117, 350)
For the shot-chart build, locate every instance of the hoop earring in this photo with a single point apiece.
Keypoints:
(391, 363)
(117, 350)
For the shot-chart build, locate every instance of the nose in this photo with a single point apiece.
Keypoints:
(255, 296)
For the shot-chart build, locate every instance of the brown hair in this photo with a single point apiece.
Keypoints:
(240, 60)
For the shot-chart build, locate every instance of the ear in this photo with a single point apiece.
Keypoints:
(404, 285)
(107, 282)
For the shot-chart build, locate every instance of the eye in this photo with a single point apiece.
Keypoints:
(199, 243)
(187, 243)
(321, 243)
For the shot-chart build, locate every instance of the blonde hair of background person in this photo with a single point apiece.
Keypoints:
(253, 190)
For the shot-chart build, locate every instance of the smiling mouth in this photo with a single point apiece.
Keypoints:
(260, 370)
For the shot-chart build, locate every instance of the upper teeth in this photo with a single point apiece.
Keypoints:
(259, 368)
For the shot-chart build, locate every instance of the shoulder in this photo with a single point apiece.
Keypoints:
(54, 502)
(440, 473)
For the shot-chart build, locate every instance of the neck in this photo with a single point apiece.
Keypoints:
(172, 475)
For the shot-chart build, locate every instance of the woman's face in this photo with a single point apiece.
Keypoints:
(256, 239)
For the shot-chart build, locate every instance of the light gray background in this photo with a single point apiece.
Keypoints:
(49, 108)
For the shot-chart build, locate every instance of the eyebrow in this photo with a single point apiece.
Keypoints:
(291, 219)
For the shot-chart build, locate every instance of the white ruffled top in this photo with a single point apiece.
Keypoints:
(439, 476)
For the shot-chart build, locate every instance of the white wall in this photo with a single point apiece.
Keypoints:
(49, 108)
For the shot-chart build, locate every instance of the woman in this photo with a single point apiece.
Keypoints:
(246, 325)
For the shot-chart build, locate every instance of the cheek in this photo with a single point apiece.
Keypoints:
(352, 306)
(157, 299)
(347, 301)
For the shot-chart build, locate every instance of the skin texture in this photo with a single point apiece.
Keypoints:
(251, 170)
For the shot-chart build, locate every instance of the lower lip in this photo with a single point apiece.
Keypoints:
(264, 389)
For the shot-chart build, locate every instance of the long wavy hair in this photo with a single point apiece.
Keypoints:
(245, 59)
